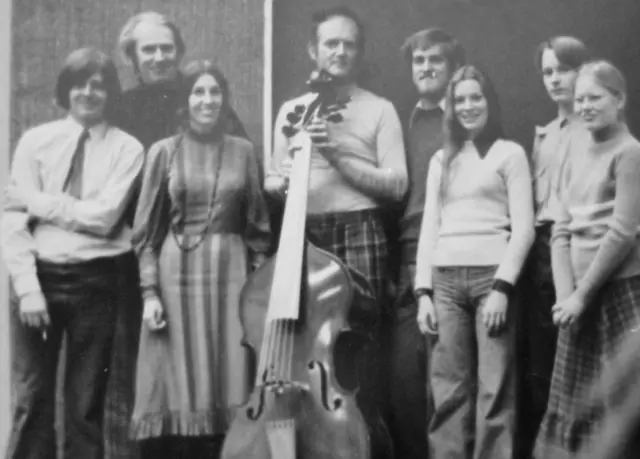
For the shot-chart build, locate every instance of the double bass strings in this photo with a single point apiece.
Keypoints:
(276, 360)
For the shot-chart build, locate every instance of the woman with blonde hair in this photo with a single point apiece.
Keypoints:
(595, 257)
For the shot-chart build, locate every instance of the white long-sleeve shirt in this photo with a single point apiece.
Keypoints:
(486, 217)
(57, 227)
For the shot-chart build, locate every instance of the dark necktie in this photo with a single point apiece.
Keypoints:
(73, 182)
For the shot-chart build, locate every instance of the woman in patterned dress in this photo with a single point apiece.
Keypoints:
(200, 227)
(595, 256)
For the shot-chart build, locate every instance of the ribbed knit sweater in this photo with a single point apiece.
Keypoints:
(486, 217)
(595, 236)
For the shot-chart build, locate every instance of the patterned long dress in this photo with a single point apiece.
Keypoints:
(200, 223)
(147, 112)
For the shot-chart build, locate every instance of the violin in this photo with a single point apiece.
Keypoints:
(294, 309)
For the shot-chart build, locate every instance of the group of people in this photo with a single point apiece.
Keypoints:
(131, 225)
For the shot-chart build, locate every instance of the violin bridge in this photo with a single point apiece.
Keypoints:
(282, 439)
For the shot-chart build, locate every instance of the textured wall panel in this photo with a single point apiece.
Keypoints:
(45, 31)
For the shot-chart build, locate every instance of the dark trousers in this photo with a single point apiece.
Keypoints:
(119, 396)
(81, 300)
(409, 400)
(537, 339)
(174, 447)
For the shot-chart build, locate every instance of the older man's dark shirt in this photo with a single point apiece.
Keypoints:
(149, 112)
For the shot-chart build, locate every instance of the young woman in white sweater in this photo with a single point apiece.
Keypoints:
(476, 232)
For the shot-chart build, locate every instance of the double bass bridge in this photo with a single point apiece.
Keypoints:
(281, 387)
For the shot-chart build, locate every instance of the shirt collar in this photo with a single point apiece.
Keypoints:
(441, 104)
(97, 131)
(420, 107)
(566, 120)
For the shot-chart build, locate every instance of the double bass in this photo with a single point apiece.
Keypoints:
(293, 309)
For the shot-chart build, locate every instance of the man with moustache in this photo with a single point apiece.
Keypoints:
(154, 46)
(358, 165)
(434, 55)
(64, 240)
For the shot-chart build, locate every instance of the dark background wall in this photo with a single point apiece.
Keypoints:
(500, 35)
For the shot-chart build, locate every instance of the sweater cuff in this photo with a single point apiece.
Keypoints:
(25, 284)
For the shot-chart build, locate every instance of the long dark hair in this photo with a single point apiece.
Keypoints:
(455, 134)
(190, 74)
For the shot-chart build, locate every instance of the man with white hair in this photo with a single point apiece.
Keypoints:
(154, 46)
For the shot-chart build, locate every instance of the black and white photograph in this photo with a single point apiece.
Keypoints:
(297, 229)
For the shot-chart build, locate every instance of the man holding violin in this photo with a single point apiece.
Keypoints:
(357, 164)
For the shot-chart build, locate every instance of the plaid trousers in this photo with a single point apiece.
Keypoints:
(359, 240)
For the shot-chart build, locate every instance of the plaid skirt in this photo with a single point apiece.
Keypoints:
(582, 356)
(619, 389)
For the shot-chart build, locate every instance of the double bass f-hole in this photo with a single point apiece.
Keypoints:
(331, 401)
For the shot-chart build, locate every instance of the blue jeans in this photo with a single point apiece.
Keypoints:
(472, 373)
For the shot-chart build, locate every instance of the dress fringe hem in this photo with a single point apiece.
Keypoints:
(180, 424)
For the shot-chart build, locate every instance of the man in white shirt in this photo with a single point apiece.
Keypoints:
(64, 240)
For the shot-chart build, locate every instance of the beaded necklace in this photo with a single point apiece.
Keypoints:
(180, 242)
